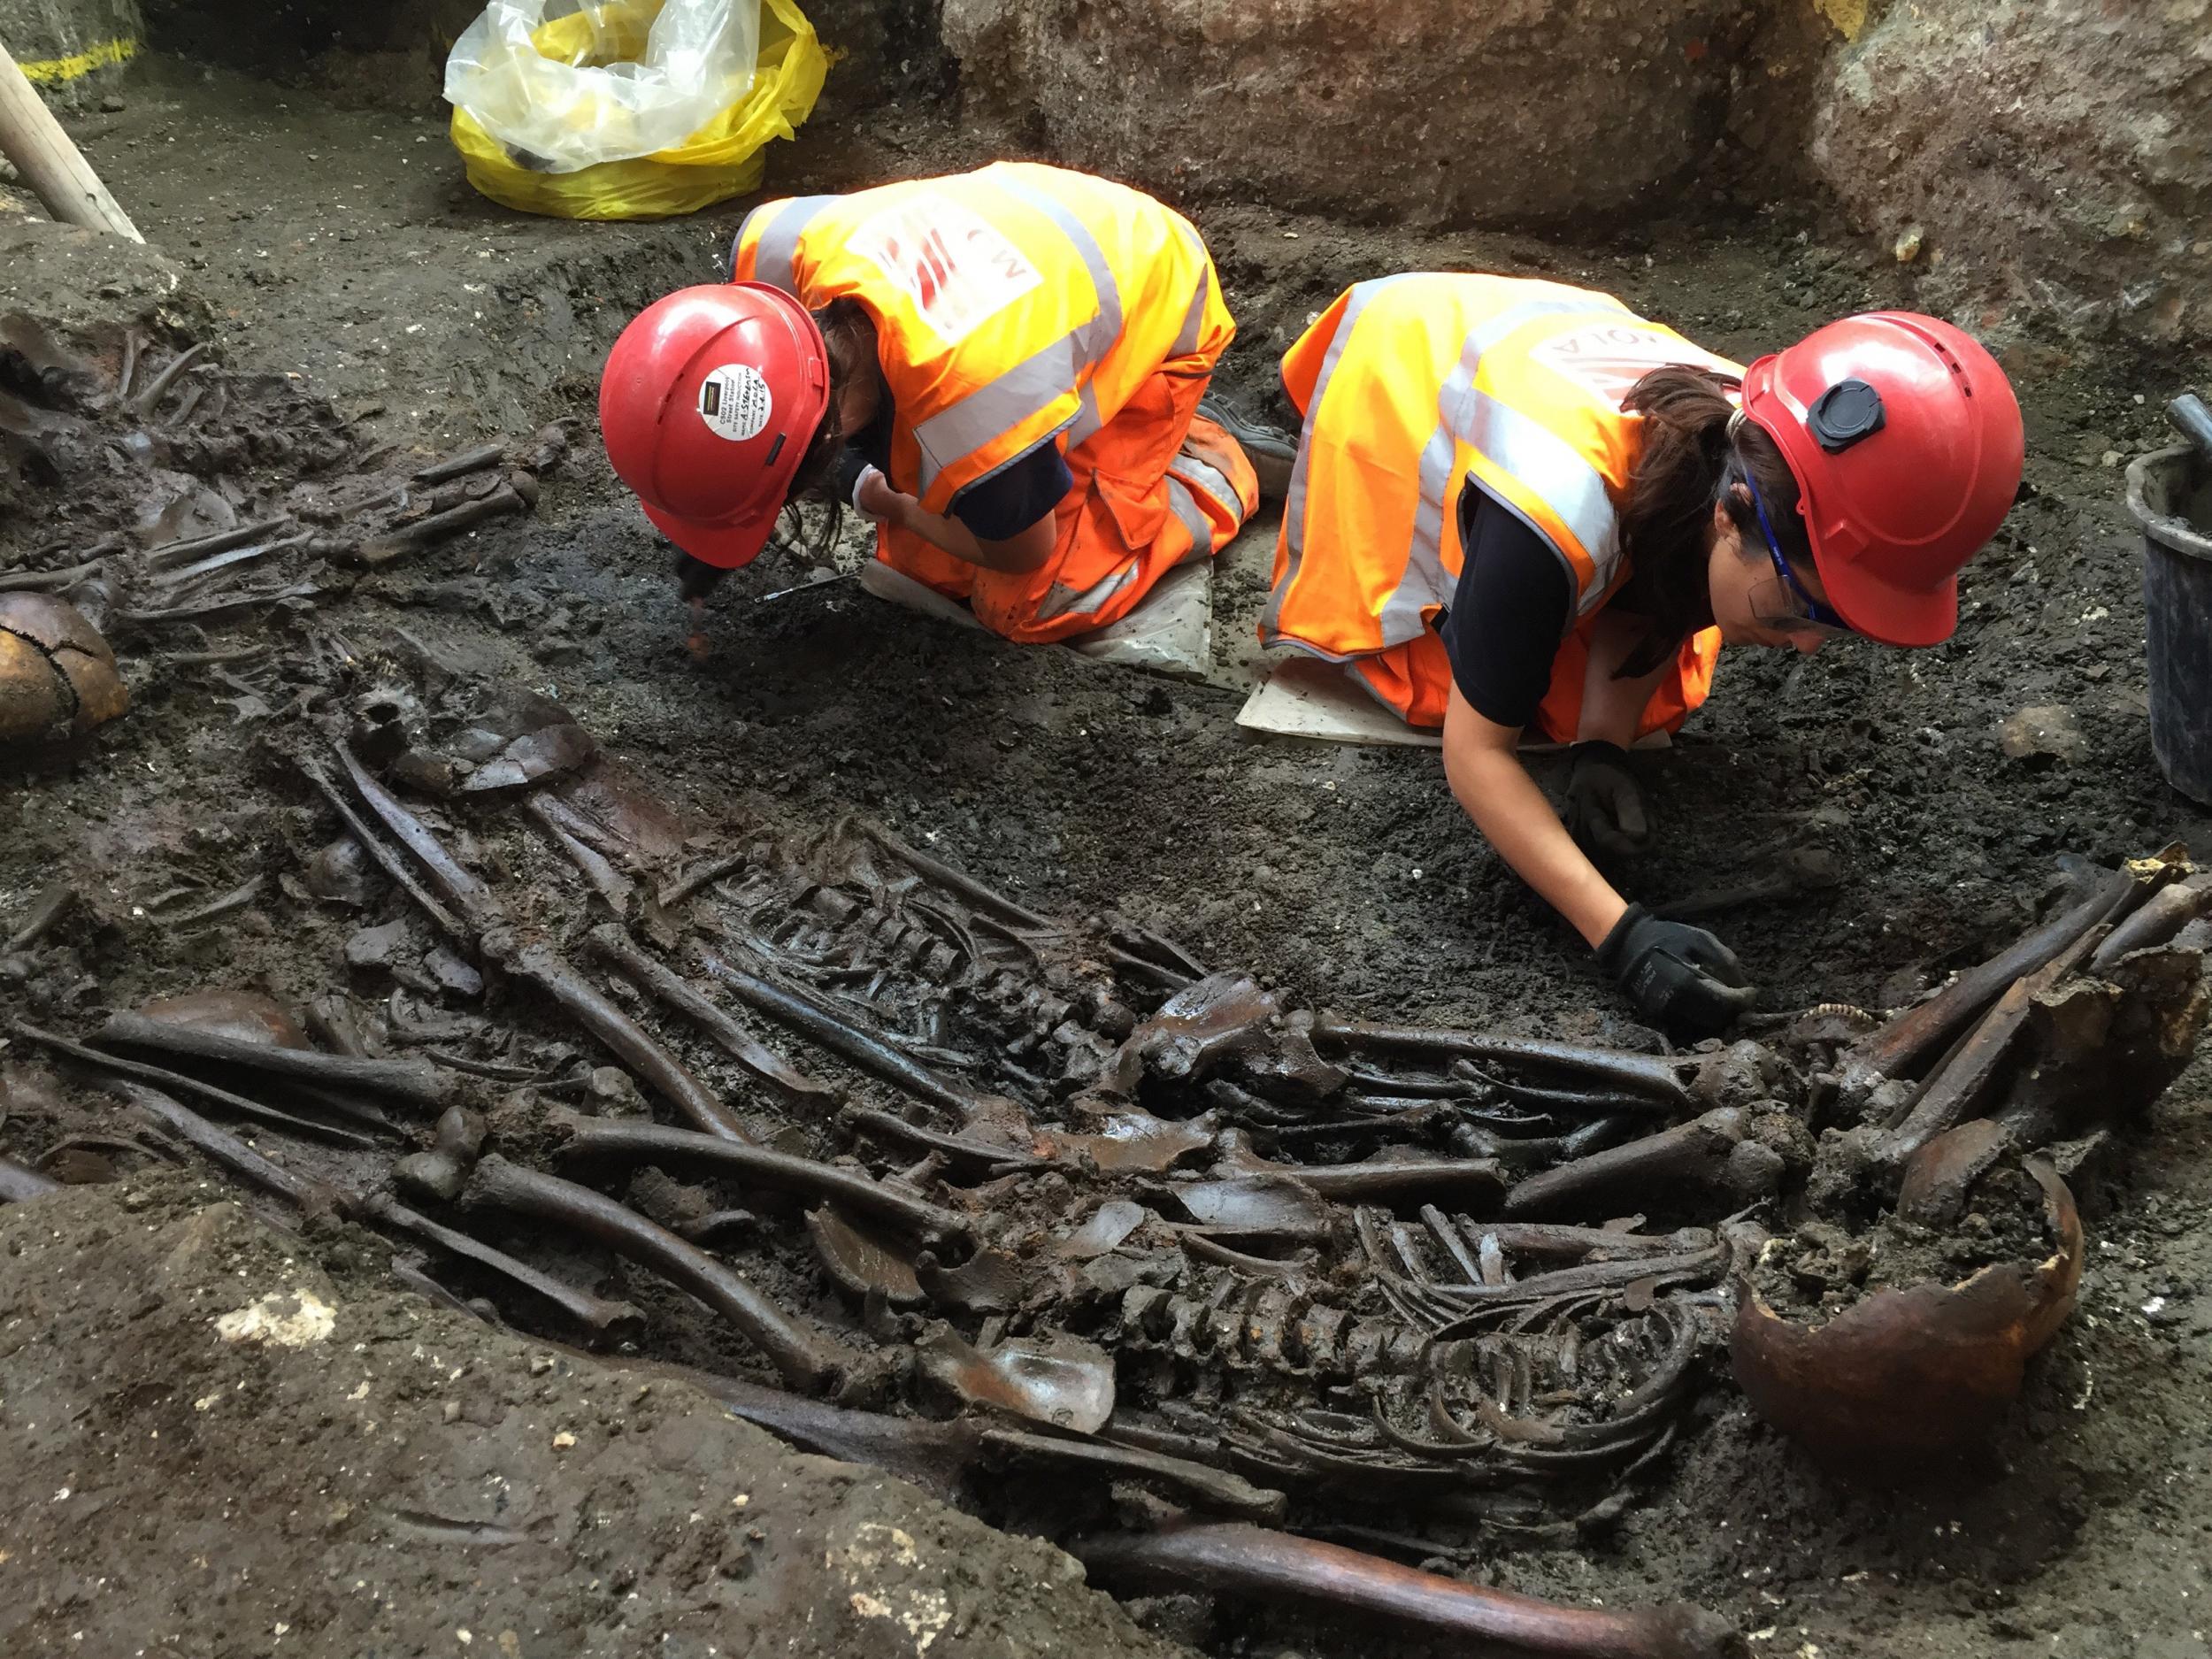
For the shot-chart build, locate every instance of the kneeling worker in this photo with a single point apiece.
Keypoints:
(1002, 369)
(1516, 503)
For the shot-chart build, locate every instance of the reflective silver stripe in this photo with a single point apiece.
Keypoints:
(1201, 475)
(1194, 516)
(1023, 392)
(1054, 371)
(774, 254)
(1557, 474)
(1087, 419)
(1059, 601)
(1103, 329)
(1465, 414)
(1294, 502)
(1194, 319)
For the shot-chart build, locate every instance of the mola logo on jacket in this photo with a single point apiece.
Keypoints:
(957, 269)
(1607, 360)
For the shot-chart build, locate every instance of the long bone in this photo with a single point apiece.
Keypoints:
(804, 1359)
(615, 949)
(1644, 1074)
(1708, 1152)
(413, 1083)
(1240, 1559)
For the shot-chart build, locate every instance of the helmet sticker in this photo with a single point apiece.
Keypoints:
(736, 403)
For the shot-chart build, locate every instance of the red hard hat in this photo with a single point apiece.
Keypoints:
(1905, 439)
(707, 405)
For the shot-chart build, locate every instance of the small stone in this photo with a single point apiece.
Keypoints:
(453, 974)
(2043, 733)
(1906, 247)
(541, 1363)
(376, 946)
(564, 1440)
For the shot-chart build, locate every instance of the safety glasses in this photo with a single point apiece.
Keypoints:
(1804, 612)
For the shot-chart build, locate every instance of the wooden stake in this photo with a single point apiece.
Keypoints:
(52, 165)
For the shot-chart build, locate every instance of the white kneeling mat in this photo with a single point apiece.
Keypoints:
(1170, 633)
(1304, 696)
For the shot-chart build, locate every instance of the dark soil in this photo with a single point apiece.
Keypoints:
(342, 246)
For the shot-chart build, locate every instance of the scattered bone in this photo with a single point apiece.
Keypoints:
(613, 947)
(862, 1261)
(542, 966)
(1708, 1155)
(53, 903)
(1243, 1559)
(591, 1142)
(1057, 1380)
(805, 1359)
(414, 1084)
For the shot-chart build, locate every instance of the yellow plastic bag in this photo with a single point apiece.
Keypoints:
(718, 161)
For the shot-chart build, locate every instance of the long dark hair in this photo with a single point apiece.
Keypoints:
(848, 336)
(1688, 464)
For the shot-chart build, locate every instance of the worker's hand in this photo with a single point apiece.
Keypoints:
(1605, 808)
(874, 499)
(1678, 976)
(695, 579)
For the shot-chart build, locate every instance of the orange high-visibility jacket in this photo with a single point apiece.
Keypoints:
(1015, 305)
(1411, 386)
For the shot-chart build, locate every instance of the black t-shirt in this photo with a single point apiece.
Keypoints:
(995, 509)
(1508, 614)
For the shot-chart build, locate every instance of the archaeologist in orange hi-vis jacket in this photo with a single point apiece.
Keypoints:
(1002, 369)
(1517, 504)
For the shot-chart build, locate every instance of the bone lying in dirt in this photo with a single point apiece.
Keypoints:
(940, 1456)
(605, 880)
(53, 900)
(2162, 916)
(1237, 1559)
(865, 1050)
(1901, 1047)
(1645, 1075)
(390, 544)
(1954, 1094)
(595, 1141)
(218, 1144)
(388, 861)
(544, 967)
(613, 947)
(18, 1183)
(1707, 1154)
(600, 1320)
(804, 1359)
(177, 1083)
(412, 1083)
(467, 893)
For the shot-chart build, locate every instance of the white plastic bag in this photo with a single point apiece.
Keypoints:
(566, 86)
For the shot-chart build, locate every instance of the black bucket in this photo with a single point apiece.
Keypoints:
(2170, 494)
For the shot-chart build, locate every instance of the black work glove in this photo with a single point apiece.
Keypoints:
(1605, 808)
(1679, 976)
(695, 579)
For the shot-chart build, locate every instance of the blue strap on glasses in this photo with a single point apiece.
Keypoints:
(1814, 611)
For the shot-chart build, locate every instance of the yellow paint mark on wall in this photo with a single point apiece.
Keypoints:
(1847, 16)
(54, 71)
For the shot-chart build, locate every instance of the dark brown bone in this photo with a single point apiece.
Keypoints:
(1546, 1239)
(939, 1456)
(468, 461)
(1955, 1092)
(888, 1126)
(1899, 1048)
(388, 861)
(177, 1083)
(1646, 1073)
(865, 1050)
(149, 400)
(1939, 1176)
(596, 1141)
(1239, 1559)
(219, 1145)
(468, 894)
(18, 1183)
(601, 1321)
(412, 1083)
(390, 544)
(53, 899)
(958, 881)
(2162, 916)
(614, 946)
(1704, 1153)
(804, 1359)
(605, 879)
(545, 968)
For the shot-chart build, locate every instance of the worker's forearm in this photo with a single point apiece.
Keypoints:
(1516, 818)
(949, 536)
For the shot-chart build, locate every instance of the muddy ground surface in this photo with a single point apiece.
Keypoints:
(342, 246)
